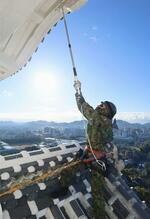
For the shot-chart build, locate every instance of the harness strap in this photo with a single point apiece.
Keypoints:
(89, 158)
(98, 153)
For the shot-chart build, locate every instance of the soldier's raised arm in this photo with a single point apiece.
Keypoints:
(83, 106)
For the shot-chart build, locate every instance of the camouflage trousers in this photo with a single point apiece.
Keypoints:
(97, 185)
(68, 177)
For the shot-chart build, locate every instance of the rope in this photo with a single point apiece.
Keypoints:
(100, 163)
(37, 179)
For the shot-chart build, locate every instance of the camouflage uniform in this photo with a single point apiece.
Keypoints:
(99, 130)
(99, 127)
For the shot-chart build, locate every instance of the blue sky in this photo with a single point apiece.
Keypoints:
(111, 44)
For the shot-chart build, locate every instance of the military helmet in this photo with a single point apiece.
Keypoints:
(112, 108)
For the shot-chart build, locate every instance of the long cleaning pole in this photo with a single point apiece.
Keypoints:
(70, 47)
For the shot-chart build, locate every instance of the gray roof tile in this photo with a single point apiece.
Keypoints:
(55, 149)
(32, 153)
(11, 203)
(71, 146)
(120, 210)
(141, 212)
(10, 170)
(124, 192)
(32, 217)
(44, 202)
(20, 212)
(56, 212)
(83, 209)
(14, 156)
(76, 208)
(64, 213)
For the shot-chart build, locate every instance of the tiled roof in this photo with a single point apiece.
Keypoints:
(47, 199)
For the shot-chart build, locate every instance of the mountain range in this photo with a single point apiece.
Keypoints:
(36, 125)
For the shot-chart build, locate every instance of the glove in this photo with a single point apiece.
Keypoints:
(77, 85)
(79, 98)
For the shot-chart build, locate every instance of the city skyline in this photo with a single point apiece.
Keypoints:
(111, 50)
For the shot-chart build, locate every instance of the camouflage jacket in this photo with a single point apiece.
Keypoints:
(99, 128)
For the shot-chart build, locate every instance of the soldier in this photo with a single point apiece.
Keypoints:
(99, 133)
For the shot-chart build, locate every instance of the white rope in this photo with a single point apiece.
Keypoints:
(100, 163)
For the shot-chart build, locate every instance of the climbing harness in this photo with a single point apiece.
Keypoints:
(89, 159)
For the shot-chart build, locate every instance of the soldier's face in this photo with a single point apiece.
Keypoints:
(103, 108)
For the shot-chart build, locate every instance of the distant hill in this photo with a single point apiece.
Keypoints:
(123, 124)
(35, 125)
(42, 124)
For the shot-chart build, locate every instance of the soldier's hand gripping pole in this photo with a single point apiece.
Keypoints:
(76, 84)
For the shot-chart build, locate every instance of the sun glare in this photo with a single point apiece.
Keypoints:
(45, 82)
